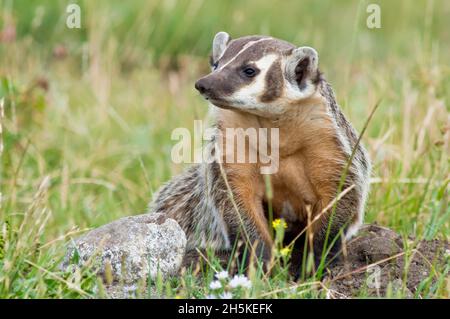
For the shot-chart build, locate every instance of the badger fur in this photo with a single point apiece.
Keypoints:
(263, 82)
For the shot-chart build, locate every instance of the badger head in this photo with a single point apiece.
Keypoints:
(259, 74)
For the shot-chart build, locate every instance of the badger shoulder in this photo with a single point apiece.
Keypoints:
(347, 135)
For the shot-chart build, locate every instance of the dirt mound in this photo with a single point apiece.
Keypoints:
(376, 262)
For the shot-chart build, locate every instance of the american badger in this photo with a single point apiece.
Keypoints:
(263, 82)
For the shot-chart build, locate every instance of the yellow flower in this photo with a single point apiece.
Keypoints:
(279, 223)
(285, 251)
(276, 223)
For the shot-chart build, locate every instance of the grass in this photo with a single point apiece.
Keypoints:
(86, 133)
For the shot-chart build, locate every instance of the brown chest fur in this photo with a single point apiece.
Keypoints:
(310, 161)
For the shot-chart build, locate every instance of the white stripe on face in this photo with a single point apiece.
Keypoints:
(246, 46)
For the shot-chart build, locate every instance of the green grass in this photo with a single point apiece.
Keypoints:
(95, 126)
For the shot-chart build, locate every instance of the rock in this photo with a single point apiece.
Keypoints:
(132, 291)
(131, 249)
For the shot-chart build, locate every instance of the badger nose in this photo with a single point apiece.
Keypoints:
(202, 86)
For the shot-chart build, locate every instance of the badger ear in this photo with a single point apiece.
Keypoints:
(220, 43)
(302, 65)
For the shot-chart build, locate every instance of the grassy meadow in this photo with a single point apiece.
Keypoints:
(87, 115)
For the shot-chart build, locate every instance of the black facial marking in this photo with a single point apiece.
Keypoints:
(274, 83)
(231, 74)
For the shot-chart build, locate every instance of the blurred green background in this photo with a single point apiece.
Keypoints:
(172, 28)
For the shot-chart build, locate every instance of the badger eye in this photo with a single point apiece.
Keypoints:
(215, 65)
(250, 72)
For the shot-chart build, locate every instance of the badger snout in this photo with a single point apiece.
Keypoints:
(204, 87)
(216, 88)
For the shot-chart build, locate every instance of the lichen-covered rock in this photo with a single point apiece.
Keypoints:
(131, 248)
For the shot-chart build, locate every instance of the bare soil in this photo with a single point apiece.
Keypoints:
(376, 261)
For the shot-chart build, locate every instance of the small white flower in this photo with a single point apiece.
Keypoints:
(222, 275)
(240, 281)
(226, 295)
(215, 285)
(211, 297)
